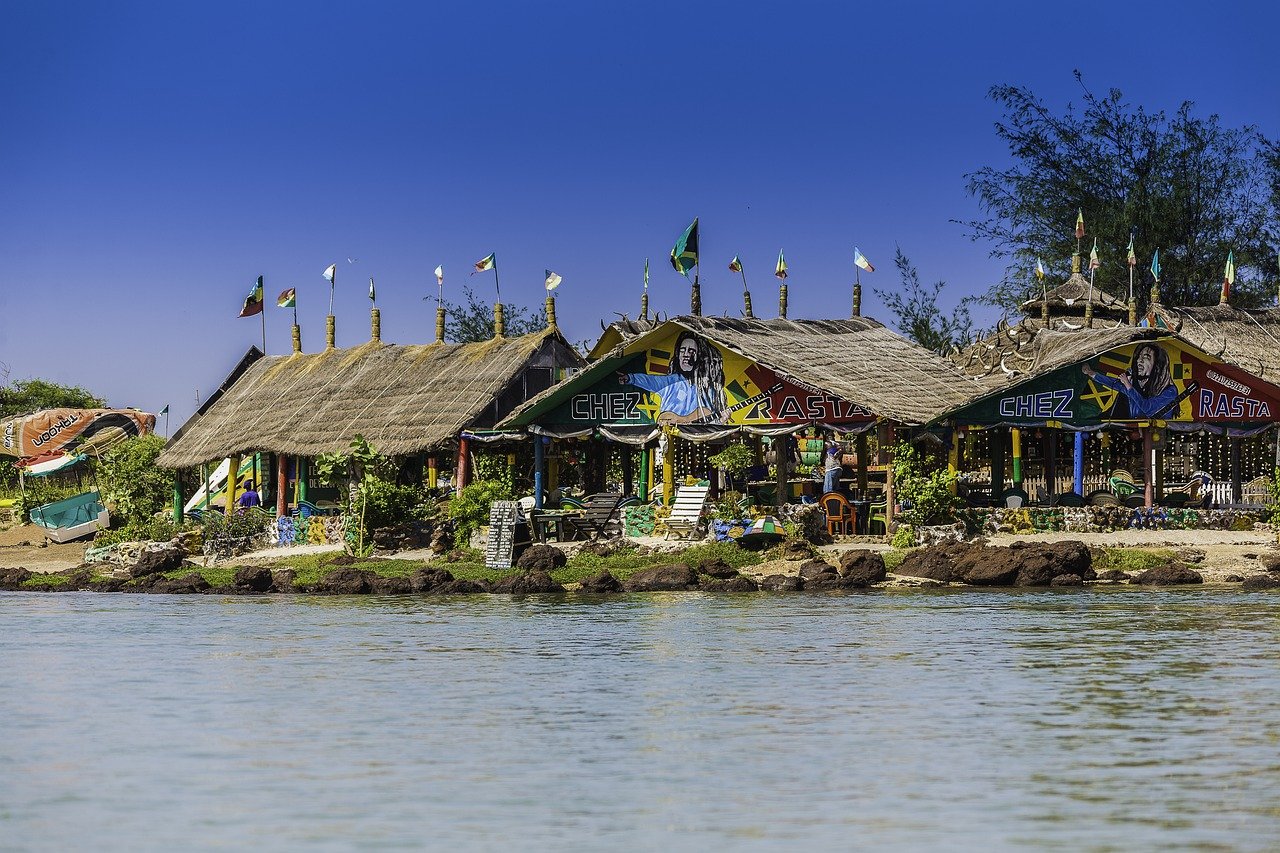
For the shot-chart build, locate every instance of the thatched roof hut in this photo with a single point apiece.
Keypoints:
(402, 399)
(858, 360)
(1248, 339)
(1071, 297)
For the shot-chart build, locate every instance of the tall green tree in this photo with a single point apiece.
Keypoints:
(30, 395)
(472, 320)
(1182, 183)
(918, 316)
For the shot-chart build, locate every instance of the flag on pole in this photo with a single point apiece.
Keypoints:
(372, 298)
(646, 273)
(735, 265)
(781, 270)
(1133, 256)
(553, 280)
(440, 275)
(1229, 274)
(860, 260)
(287, 299)
(485, 263)
(1094, 263)
(1155, 265)
(1080, 223)
(330, 273)
(164, 411)
(684, 255)
(1039, 270)
(253, 302)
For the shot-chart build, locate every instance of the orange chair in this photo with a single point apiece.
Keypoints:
(839, 512)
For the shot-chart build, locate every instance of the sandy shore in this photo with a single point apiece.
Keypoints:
(1225, 552)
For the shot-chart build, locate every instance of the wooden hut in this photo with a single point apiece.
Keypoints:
(405, 400)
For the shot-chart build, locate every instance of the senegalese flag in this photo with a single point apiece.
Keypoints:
(1155, 265)
(253, 302)
(684, 255)
(1133, 256)
(372, 297)
(1080, 223)
(781, 270)
(287, 299)
(735, 265)
(1094, 263)
(552, 280)
(860, 260)
(485, 263)
(1039, 270)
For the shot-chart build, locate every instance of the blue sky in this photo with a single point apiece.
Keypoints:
(156, 157)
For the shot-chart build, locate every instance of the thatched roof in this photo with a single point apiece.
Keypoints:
(619, 332)
(402, 399)
(1072, 296)
(1013, 354)
(1248, 339)
(857, 360)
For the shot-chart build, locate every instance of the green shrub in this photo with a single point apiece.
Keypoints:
(903, 537)
(160, 529)
(923, 486)
(130, 483)
(469, 509)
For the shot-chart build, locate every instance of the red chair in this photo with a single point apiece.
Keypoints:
(839, 513)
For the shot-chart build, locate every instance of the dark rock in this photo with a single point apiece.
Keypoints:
(990, 567)
(526, 583)
(1115, 575)
(781, 583)
(1234, 578)
(347, 582)
(14, 578)
(380, 585)
(256, 578)
(1169, 575)
(1190, 555)
(544, 558)
(343, 560)
(188, 584)
(814, 568)
(1067, 580)
(410, 536)
(168, 559)
(657, 578)
(604, 547)
(1040, 562)
(1270, 561)
(428, 580)
(737, 583)
(863, 567)
(797, 549)
(108, 585)
(938, 562)
(460, 587)
(282, 580)
(603, 582)
(717, 568)
(1260, 582)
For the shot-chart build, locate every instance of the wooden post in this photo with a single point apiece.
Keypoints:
(1158, 438)
(1077, 463)
(1051, 460)
(860, 444)
(643, 492)
(890, 439)
(282, 485)
(204, 475)
(781, 455)
(233, 477)
(177, 497)
(462, 468)
(953, 460)
(303, 476)
(669, 467)
(1015, 437)
(433, 472)
(1237, 489)
(1148, 474)
(997, 464)
(539, 462)
(628, 469)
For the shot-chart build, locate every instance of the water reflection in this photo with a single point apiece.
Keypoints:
(1061, 719)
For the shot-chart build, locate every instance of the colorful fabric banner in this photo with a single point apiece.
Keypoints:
(66, 430)
(253, 302)
(684, 255)
(860, 260)
(486, 263)
(781, 269)
(287, 299)
(552, 281)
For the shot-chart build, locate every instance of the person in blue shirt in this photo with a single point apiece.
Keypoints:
(1146, 387)
(249, 498)
(694, 389)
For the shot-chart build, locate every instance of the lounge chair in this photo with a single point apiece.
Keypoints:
(600, 516)
(686, 511)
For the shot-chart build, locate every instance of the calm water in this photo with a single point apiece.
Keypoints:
(1099, 719)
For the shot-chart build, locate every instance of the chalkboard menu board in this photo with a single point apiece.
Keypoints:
(502, 534)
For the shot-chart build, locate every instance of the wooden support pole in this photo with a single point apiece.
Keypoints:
(1158, 438)
(233, 482)
(890, 440)
(303, 477)
(1237, 489)
(953, 461)
(781, 455)
(860, 444)
(1077, 463)
(539, 463)
(462, 468)
(1148, 475)
(1015, 438)
(433, 472)
(1050, 460)
(669, 468)
(282, 485)
(997, 463)
(643, 491)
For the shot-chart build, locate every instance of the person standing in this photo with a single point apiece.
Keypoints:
(249, 498)
(831, 478)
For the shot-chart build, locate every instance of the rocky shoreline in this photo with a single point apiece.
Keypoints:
(798, 568)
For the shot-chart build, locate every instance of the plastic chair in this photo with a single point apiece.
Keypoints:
(839, 513)
(878, 515)
(1014, 498)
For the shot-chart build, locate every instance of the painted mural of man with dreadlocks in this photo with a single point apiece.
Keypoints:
(693, 391)
(1146, 387)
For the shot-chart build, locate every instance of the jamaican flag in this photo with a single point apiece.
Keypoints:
(684, 255)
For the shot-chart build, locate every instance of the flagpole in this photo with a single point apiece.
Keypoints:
(496, 286)
(746, 292)
(263, 312)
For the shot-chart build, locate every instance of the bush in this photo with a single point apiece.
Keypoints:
(383, 504)
(130, 483)
(153, 530)
(903, 537)
(923, 487)
(469, 509)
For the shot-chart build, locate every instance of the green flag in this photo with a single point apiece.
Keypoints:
(684, 255)
(1155, 265)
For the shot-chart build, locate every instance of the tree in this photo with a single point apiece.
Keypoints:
(474, 320)
(31, 395)
(131, 483)
(918, 316)
(1184, 184)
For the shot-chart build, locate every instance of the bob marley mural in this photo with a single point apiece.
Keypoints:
(1165, 380)
(685, 378)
